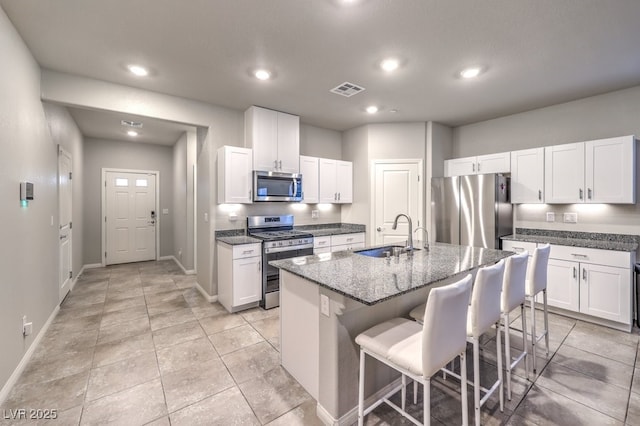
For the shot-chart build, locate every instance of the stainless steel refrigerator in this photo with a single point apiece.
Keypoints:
(471, 210)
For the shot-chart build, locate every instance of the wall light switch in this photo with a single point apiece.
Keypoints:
(551, 217)
(233, 217)
(315, 214)
(324, 305)
(570, 218)
(206, 217)
(165, 211)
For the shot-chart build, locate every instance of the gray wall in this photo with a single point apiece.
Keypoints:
(319, 142)
(612, 114)
(29, 250)
(66, 133)
(183, 187)
(99, 154)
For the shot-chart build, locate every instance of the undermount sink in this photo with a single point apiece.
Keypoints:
(382, 251)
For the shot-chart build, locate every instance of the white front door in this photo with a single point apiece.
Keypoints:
(397, 189)
(65, 208)
(131, 217)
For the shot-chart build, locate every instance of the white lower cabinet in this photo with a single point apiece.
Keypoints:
(321, 244)
(593, 282)
(353, 241)
(239, 276)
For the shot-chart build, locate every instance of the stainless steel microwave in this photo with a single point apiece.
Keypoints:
(276, 186)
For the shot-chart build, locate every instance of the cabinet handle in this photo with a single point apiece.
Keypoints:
(321, 243)
(259, 265)
(589, 193)
(249, 195)
(478, 166)
(275, 164)
(584, 274)
(575, 272)
(581, 193)
(349, 240)
(584, 256)
(473, 167)
(540, 194)
(247, 252)
(338, 196)
(335, 196)
(516, 249)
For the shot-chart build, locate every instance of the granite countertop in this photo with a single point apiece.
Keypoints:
(371, 280)
(235, 240)
(617, 242)
(331, 229)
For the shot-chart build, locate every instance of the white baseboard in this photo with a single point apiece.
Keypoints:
(351, 416)
(210, 299)
(184, 270)
(13, 379)
(90, 266)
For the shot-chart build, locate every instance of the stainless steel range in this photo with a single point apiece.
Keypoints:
(280, 241)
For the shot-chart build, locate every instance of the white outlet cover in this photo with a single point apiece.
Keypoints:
(570, 218)
(324, 305)
(551, 217)
(315, 214)
(233, 217)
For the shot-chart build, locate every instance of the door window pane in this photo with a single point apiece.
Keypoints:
(141, 182)
(122, 182)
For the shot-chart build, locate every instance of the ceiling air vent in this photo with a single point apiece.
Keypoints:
(347, 89)
(134, 124)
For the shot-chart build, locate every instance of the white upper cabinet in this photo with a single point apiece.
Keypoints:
(336, 181)
(527, 176)
(610, 170)
(564, 173)
(599, 171)
(490, 163)
(275, 139)
(234, 175)
(310, 179)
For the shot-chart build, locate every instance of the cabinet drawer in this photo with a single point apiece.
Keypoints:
(342, 247)
(518, 246)
(319, 242)
(319, 250)
(247, 250)
(620, 259)
(342, 239)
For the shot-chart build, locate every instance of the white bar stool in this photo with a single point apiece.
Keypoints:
(484, 312)
(419, 352)
(536, 283)
(513, 294)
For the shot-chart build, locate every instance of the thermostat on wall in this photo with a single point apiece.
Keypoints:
(26, 191)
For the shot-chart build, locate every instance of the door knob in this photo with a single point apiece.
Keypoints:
(379, 229)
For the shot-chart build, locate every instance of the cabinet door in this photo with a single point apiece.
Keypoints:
(234, 175)
(527, 176)
(563, 284)
(460, 166)
(494, 163)
(605, 292)
(261, 134)
(344, 181)
(247, 280)
(288, 142)
(564, 173)
(610, 170)
(327, 184)
(310, 177)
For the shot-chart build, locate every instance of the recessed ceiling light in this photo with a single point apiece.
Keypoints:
(372, 109)
(262, 74)
(138, 70)
(470, 72)
(132, 133)
(390, 64)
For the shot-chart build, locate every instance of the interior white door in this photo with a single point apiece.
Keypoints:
(65, 203)
(131, 217)
(397, 189)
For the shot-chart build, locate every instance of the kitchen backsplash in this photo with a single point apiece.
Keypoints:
(327, 213)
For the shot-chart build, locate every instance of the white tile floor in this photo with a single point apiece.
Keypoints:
(136, 344)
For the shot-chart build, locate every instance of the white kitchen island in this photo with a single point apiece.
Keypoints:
(326, 300)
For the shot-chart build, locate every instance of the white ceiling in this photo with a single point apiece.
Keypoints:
(107, 125)
(535, 52)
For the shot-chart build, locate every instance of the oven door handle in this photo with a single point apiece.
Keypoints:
(295, 187)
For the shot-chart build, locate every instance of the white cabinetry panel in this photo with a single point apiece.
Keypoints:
(527, 176)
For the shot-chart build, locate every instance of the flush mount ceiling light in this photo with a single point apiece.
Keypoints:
(372, 109)
(138, 70)
(390, 64)
(129, 123)
(132, 133)
(470, 72)
(262, 74)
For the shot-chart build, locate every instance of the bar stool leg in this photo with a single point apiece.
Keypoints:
(533, 332)
(463, 389)
(500, 377)
(507, 352)
(404, 393)
(415, 392)
(361, 391)
(524, 338)
(476, 380)
(426, 402)
(546, 320)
